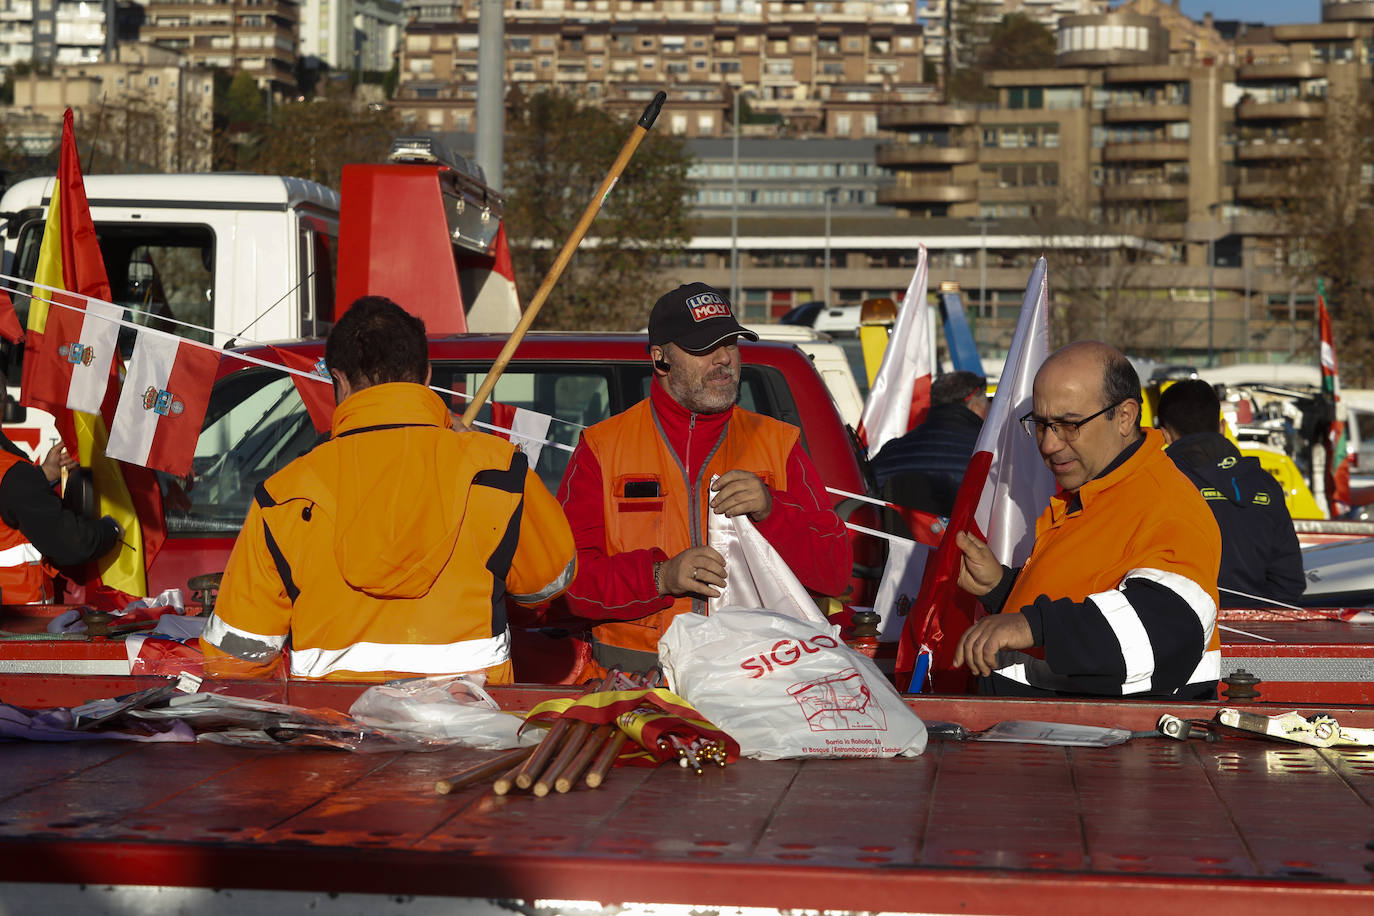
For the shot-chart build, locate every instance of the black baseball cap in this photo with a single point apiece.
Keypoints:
(696, 317)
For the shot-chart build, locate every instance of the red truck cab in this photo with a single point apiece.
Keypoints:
(257, 423)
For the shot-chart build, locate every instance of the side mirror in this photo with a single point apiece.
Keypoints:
(15, 412)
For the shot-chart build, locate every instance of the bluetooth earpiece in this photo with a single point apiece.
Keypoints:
(662, 365)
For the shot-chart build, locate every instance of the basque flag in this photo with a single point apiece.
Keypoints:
(900, 396)
(163, 402)
(1004, 490)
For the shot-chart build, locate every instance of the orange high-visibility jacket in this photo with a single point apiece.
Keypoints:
(390, 550)
(24, 577)
(1143, 520)
(630, 448)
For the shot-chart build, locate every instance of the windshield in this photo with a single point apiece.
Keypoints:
(257, 424)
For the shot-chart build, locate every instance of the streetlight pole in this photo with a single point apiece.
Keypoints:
(983, 269)
(829, 192)
(734, 209)
(1211, 282)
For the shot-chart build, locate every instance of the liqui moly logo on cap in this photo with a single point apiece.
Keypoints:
(708, 305)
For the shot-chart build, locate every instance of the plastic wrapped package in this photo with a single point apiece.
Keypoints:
(785, 688)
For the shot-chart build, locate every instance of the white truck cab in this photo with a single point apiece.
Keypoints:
(251, 257)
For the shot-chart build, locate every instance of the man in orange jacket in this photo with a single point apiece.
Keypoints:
(638, 488)
(1119, 594)
(391, 549)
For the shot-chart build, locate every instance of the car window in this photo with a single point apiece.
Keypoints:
(574, 395)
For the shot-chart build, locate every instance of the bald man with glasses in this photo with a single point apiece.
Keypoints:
(1119, 594)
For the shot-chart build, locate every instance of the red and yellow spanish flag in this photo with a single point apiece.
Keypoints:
(69, 259)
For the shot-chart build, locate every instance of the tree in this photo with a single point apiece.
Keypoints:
(1015, 42)
(316, 139)
(1329, 222)
(558, 151)
(244, 104)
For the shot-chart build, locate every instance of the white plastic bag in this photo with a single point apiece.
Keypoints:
(450, 708)
(755, 575)
(785, 688)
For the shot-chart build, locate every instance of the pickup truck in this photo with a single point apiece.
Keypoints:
(257, 423)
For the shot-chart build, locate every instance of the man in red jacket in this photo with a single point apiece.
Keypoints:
(639, 486)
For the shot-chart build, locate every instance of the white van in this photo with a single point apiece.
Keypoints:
(831, 362)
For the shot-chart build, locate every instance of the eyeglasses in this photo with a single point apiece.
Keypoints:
(1064, 430)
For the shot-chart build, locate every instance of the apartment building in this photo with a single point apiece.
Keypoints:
(1156, 125)
(143, 107)
(55, 31)
(819, 68)
(258, 37)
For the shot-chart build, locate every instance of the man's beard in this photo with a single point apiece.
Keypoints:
(698, 398)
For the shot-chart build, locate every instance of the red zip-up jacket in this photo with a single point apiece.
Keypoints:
(802, 527)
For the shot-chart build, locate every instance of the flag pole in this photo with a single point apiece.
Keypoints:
(503, 359)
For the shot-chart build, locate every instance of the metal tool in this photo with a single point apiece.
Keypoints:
(1319, 730)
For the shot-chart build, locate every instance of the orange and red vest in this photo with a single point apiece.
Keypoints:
(631, 448)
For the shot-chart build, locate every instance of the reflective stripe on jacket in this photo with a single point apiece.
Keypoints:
(648, 500)
(391, 549)
(24, 577)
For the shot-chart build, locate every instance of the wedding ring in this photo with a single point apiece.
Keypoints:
(694, 574)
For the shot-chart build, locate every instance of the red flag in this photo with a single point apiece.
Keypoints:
(317, 392)
(1336, 485)
(1003, 491)
(10, 329)
(69, 258)
(495, 304)
(163, 402)
(900, 396)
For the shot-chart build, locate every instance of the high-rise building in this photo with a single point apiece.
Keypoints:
(818, 67)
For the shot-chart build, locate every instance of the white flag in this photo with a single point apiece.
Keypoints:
(900, 396)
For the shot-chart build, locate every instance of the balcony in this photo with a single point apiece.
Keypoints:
(1118, 193)
(1282, 70)
(1117, 114)
(1279, 111)
(898, 117)
(1270, 149)
(1150, 151)
(898, 195)
(899, 154)
(1259, 191)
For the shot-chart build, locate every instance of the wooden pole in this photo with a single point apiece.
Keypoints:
(482, 771)
(641, 128)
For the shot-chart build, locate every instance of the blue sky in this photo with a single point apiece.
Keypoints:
(1270, 12)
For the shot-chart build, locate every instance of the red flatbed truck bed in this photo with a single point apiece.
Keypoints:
(1150, 825)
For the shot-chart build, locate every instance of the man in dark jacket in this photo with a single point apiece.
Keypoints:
(1259, 550)
(922, 469)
